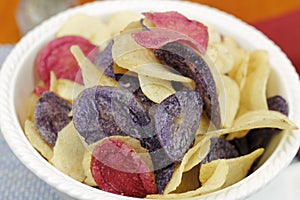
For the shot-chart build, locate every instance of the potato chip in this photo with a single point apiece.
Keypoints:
(229, 98)
(193, 157)
(36, 140)
(129, 55)
(156, 89)
(240, 70)
(91, 74)
(65, 88)
(238, 167)
(217, 178)
(119, 20)
(86, 165)
(90, 28)
(30, 106)
(253, 94)
(221, 57)
(256, 119)
(68, 153)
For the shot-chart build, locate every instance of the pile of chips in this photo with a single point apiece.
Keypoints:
(152, 106)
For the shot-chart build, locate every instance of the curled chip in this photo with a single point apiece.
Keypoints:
(189, 63)
(103, 111)
(118, 168)
(56, 56)
(51, 114)
(176, 21)
(258, 138)
(220, 149)
(176, 122)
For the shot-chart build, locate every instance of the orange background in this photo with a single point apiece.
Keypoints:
(249, 10)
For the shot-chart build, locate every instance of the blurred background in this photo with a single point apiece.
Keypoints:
(279, 20)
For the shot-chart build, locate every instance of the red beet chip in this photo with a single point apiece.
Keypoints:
(118, 168)
(176, 21)
(57, 57)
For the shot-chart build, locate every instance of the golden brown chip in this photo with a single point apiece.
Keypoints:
(36, 140)
(89, 27)
(68, 153)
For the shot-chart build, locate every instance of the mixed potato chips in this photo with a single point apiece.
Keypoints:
(154, 106)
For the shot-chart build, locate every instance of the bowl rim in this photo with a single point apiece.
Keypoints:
(31, 158)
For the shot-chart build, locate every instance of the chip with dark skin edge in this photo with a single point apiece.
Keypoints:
(103, 111)
(189, 63)
(118, 168)
(258, 138)
(176, 121)
(104, 61)
(51, 115)
(163, 176)
(220, 149)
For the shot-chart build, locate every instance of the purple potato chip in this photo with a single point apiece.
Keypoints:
(51, 114)
(279, 104)
(220, 149)
(163, 176)
(105, 62)
(176, 121)
(103, 111)
(189, 63)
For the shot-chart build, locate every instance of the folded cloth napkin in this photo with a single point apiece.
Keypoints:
(16, 181)
(285, 32)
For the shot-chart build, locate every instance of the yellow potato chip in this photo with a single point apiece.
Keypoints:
(68, 153)
(240, 70)
(218, 175)
(91, 74)
(65, 88)
(89, 27)
(36, 141)
(193, 157)
(118, 21)
(229, 99)
(156, 89)
(86, 165)
(221, 57)
(256, 119)
(189, 180)
(130, 55)
(30, 106)
(253, 94)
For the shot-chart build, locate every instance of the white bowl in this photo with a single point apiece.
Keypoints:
(17, 82)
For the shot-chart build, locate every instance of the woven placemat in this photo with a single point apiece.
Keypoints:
(16, 181)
